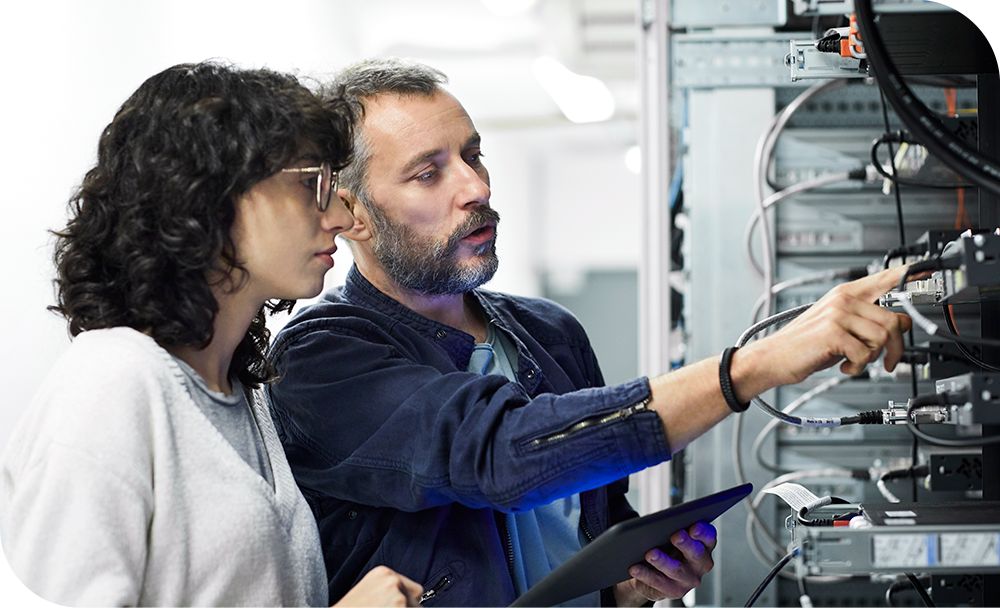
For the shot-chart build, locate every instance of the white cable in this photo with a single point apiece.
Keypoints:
(781, 317)
(758, 442)
(754, 516)
(756, 328)
(760, 214)
(816, 277)
(797, 188)
(763, 155)
(906, 301)
(884, 491)
(761, 160)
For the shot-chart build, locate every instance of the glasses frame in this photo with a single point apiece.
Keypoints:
(326, 175)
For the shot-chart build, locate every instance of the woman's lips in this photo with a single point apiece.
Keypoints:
(327, 255)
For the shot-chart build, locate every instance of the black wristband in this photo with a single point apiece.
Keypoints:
(726, 381)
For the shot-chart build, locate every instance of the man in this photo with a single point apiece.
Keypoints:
(464, 437)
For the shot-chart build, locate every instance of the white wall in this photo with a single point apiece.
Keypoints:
(67, 68)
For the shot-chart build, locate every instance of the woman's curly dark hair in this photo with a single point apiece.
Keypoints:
(151, 222)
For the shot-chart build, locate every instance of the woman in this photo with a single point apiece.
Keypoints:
(144, 472)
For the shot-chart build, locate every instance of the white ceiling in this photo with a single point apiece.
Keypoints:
(488, 57)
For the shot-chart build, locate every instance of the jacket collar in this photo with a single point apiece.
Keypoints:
(359, 291)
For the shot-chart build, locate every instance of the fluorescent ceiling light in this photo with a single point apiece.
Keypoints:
(580, 98)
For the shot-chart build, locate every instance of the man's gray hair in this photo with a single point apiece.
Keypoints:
(367, 79)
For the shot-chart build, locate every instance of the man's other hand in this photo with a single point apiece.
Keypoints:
(382, 587)
(673, 572)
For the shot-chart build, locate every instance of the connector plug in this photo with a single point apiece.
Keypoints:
(896, 413)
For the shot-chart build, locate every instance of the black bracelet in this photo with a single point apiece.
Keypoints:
(726, 381)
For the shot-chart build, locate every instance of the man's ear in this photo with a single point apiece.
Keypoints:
(359, 231)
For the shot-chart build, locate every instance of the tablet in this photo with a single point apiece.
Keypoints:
(606, 560)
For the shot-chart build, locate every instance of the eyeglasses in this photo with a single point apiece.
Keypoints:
(326, 182)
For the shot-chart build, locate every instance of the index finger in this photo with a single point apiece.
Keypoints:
(871, 287)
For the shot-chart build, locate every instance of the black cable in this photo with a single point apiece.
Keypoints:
(892, 165)
(973, 442)
(943, 400)
(931, 264)
(825, 521)
(869, 417)
(901, 585)
(925, 126)
(893, 588)
(926, 350)
(770, 577)
(914, 447)
(902, 252)
(941, 81)
(829, 43)
(968, 354)
(928, 265)
(920, 590)
(938, 399)
(910, 472)
(959, 339)
(894, 177)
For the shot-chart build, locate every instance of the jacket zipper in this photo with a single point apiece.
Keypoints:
(586, 531)
(433, 591)
(616, 416)
(508, 544)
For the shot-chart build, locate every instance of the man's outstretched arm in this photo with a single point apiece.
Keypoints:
(843, 327)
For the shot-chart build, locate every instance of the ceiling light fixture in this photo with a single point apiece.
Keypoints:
(580, 98)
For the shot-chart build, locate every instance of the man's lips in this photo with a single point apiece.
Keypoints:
(480, 235)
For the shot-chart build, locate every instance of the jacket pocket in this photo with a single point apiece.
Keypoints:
(593, 422)
(437, 585)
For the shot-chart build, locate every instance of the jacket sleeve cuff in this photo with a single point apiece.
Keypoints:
(642, 436)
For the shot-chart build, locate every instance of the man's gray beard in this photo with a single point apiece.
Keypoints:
(429, 267)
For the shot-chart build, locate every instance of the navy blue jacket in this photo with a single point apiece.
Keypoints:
(408, 460)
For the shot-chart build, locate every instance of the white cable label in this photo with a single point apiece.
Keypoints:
(796, 496)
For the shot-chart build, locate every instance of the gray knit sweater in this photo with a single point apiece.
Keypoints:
(116, 490)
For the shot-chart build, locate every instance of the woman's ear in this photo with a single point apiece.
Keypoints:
(359, 232)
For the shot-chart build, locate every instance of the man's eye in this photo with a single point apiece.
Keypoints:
(309, 181)
(426, 176)
(474, 158)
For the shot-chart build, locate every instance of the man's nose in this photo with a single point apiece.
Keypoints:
(475, 190)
